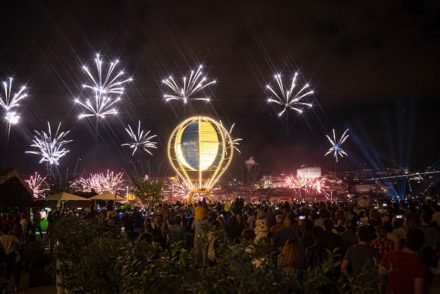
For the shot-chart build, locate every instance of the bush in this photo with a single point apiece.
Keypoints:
(95, 260)
(86, 252)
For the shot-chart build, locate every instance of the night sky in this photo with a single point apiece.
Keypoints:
(374, 68)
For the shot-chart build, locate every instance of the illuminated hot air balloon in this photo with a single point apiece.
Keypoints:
(200, 149)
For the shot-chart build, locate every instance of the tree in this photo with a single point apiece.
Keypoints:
(148, 191)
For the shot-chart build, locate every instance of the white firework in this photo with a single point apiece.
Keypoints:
(50, 146)
(192, 85)
(288, 98)
(141, 139)
(99, 182)
(235, 141)
(337, 144)
(106, 87)
(37, 184)
(10, 101)
(12, 117)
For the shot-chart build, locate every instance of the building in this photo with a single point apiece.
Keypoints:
(309, 172)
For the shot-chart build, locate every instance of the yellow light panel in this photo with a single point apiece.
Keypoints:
(208, 145)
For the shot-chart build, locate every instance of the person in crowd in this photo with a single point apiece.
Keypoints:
(234, 227)
(277, 226)
(316, 253)
(330, 238)
(340, 225)
(398, 231)
(159, 230)
(322, 215)
(436, 215)
(406, 272)
(285, 233)
(214, 229)
(359, 256)
(201, 227)
(188, 230)
(261, 227)
(306, 232)
(259, 257)
(289, 260)
(36, 220)
(24, 223)
(381, 243)
(10, 244)
(430, 230)
(175, 230)
(348, 237)
(111, 217)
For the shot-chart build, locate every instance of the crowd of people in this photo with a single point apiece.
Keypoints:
(399, 240)
(22, 243)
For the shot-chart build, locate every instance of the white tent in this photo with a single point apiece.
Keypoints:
(64, 196)
(107, 196)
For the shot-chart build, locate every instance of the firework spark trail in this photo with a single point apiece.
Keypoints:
(37, 184)
(106, 88)
(194, 84)
(99, 182)
(10, 101)
(235, 141)
(288, 98)
(141, 139)
(50, 146)
(336, 145)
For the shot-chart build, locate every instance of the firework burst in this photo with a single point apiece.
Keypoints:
(50, 146)
(308, 185)
(106, 85)
(141, 139)
(178, 189)
(10, 101)
(336, 145)
(288, 98)
(192, 85)
(37, 184)
(99, 182)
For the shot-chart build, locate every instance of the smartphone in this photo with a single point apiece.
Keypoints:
(302, 217)
(385, 205)
(399, 216)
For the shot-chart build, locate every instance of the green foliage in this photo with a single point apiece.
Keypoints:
(85, 253)
(95, 260)
(149, 191)
(369, 280)
(320, 279)
(235, 272)
(146, 268)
